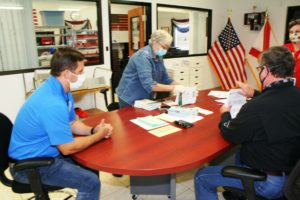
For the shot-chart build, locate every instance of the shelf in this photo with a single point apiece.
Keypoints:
(51, 46)
(87, 47)
(91, 55)
(85, 41)
(51, 27)
(50, 35)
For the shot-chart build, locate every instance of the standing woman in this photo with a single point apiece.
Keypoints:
(145, 73)
(294, 46)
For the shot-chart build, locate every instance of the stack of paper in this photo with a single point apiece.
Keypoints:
(149, 122)
(147, 104)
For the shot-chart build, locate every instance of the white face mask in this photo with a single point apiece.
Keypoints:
(77, 84)
(294, 37)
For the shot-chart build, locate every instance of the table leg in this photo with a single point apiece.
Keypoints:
(160, 185)
(173, 187)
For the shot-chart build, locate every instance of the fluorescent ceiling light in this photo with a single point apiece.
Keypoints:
(12, 7)
(69, 9)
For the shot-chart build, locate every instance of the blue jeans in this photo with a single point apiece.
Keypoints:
(123, 104)
(208, 179)
(65, 173)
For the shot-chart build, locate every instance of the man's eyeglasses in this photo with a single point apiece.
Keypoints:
(260, 68)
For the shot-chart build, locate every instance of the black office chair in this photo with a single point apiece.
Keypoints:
(40, 191)
(248, 176)
(115, 79)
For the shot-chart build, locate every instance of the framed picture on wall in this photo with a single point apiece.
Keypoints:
(166, 28)
(255, 20)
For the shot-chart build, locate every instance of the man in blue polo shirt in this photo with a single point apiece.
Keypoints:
(44, 127)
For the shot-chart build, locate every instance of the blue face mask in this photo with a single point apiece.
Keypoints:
(161, 52)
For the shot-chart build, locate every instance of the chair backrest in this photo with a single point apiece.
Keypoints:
(5, 128)
(292, 186)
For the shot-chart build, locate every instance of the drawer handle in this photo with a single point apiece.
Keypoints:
(182, 72)
(181, 79)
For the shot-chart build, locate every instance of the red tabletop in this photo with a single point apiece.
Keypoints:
(133, 151)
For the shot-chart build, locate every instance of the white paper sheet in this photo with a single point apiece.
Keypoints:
(163, 131)
(170, 118)
(236, 101)
(223, 101)
(204, 111)
(149, 122)
(189, 96)
(218, 94)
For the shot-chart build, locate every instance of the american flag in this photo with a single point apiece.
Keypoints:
(227, 57)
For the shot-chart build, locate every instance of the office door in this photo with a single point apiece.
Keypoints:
(136, 39)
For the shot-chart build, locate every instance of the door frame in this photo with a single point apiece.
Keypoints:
(148, 13)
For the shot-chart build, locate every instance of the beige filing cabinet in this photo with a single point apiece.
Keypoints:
(179, 74)
(187, 73)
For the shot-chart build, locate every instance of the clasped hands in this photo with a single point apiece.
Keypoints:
(104, 129)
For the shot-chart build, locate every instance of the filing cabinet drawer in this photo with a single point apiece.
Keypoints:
(182, 81)
(195, 78)
(178, 72)
(197, 84)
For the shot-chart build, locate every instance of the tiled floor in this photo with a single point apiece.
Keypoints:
(114, 188)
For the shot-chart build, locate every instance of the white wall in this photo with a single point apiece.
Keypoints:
(12, 87)
(277, 10)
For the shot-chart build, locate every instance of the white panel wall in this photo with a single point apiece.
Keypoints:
(12, 94)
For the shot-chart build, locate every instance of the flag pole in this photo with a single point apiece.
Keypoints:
(219, 79)
(272, 32)
(253, 73)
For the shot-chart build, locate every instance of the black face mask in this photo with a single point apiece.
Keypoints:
(263, 80)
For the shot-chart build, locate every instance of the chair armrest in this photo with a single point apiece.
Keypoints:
(33, 163)
(243, 173)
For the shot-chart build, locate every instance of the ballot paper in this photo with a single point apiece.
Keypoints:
(219, 94)
(203, 111)
(188, 96)
(223, 101)
(149, 122)
(235, 100)
(163, 131)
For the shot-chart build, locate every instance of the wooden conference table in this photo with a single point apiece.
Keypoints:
(151, 161)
